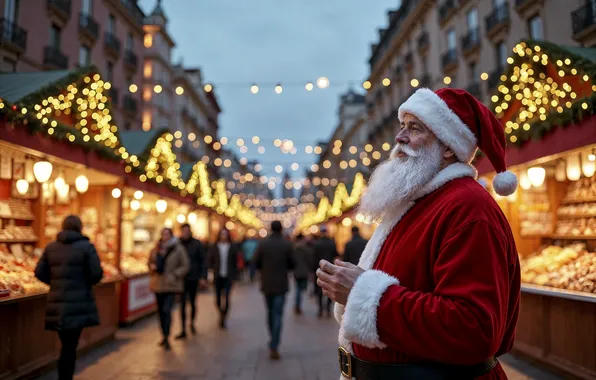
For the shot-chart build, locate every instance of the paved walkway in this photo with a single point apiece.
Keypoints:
(308, 348)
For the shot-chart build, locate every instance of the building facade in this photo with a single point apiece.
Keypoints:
(460, 43)
(38, 35)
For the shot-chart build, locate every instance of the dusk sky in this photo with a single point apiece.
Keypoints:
(241, 42)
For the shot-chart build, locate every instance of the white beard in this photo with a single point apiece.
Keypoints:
(398, 179)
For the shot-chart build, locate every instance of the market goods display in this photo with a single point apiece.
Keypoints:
(134, 263)
(109, 270)
(577, 210)
(581, 190)
(581, 227)
(535, 215)
(16, 271)
(15, 209)
(17, 234)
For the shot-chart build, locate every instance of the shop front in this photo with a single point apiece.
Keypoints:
(546, 104)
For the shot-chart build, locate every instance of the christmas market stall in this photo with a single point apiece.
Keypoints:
(546, 103)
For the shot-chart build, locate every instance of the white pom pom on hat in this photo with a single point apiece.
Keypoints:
(464, 124)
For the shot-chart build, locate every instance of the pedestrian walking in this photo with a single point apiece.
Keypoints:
(196, 277)
(354, 247)
(324, 249)
(168, 266)
(303, 260)
(274, 258)
(438, 286)
(223, 260)
(71, 267)
(248, 249)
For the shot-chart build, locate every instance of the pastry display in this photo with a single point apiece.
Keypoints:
(134, 263)
(534, 213)
(16, 209)
(17, 234)
(577, 210)
(581, 190)
(17, 271)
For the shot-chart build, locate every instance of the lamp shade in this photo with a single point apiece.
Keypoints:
(59, 182)
(135, 205)
(573, 167)
(192, 218)
(116, 193)
(588, 165)
(42, 170)
(82, 184)
(161, 206)
(560, 172)
(22, 186)
(138, 194)
(524, 181)
(181, 218)
(536, 175)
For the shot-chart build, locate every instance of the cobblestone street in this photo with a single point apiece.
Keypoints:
(240, 353)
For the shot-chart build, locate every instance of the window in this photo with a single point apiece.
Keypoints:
(474, 76)
(110, 72)
(55, 36)
(148, 40)
(87, 8)
(11, 11)
(501, 55)
(148, 70)
(84, 54)
(472, 18)
(497, 3)
(451, 39)
(535, 27)
(111, 24)
(129, 42)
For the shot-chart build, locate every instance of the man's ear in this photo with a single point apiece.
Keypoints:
(448, 153)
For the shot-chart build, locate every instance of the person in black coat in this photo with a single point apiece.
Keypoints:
(223, 260)
(71, 267)
(354, 247)
(195, 277)
(325, 249)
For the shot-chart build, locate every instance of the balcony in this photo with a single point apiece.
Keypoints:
(527, 7)
(60, 9)
(135, 12)
(88, 27)
(129, 104)
(130, 61)
(54, 59)
(112, 44)
(470, 43)
(449, 60)
(583, 21)
(475, 89)
(446, 10)
(497, 21)
(494, 78)
(423, 43)
(113, 94)
(13, 36)
(409, 61)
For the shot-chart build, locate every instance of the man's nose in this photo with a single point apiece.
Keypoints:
(402, 138)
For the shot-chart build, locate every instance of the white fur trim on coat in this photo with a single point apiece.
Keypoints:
(445, 124)
(360, 317)
(374, 245)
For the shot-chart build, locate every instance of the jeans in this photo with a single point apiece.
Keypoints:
(252, 270)
(190, 296)
(165, 304)
(301, 284)
(275, 313)
(68, 353)
(223, 286)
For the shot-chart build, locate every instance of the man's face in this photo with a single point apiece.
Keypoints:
(412, 138)
(186, 233)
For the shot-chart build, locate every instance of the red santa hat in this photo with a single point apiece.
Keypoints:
(464, 124)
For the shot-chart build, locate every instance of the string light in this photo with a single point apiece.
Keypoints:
(254, 89)
(278, 89)
(322, 82)
(309, 86)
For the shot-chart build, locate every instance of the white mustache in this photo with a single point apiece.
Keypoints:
(401, 148)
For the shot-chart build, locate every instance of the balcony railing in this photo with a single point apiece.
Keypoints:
(471, 40)
(113, 93)
(13, 35)
(423, 42)
(130, 60)
(446, 9)
(54, 58)
(408, 61)
(88, 26)
(112, 43)
(129, 104)
(474, 89)
(449, 59)
(497, 18)
(583, 18)
(494, 78)
(60, 7)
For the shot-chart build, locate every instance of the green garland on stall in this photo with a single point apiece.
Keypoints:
(555, 119)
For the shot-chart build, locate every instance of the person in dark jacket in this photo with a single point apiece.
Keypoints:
(274, 257)
(223, 260)
(303, 259)
(71, 267)
(197, 276)
(354, 247)
(325, 249)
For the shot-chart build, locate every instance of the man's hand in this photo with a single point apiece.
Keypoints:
(203, 284)
(337, 280)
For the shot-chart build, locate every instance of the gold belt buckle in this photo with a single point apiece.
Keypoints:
(343, 352)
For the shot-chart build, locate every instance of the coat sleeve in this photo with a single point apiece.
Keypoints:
(461, 322)
(42, 270)
(94, 268)
(202, 257)
(258, 257)
(183, 263)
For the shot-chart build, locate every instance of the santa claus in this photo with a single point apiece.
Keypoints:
(436, 292)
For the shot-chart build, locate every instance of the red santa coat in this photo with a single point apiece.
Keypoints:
(442, 280)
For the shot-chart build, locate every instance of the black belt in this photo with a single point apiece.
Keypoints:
(353, 368)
